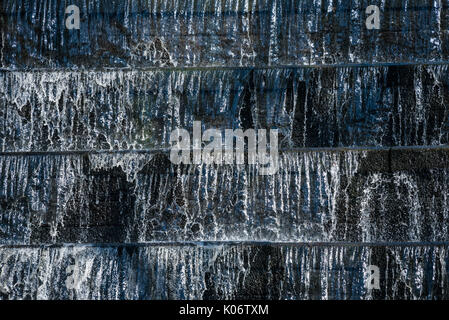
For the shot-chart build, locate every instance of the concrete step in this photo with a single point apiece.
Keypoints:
(219, 33)
(390, 194)
(222, 270)
(389, 105)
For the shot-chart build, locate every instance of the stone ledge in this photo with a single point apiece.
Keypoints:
(156, 33)
(311, 107)
(320, 195)
(224, 271)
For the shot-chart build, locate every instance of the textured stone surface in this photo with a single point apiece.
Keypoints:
(223, 271)
(136, 70)
(316, 196)
(132, 33)
(325, 107)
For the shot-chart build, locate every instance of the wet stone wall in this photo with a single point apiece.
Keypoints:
(91, 207)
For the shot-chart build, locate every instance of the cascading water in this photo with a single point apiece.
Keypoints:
(233, 33)
(315, 196)
(357, 106)
(92, 208)
(229, 271)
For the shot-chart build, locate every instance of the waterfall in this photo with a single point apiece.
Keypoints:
(139, 197)
(84, 110)
(219, 33)
(222, 272)
(91, 207)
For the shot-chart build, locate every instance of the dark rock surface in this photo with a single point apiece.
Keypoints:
(325, 107)
(366, 195)
(132, 33)
(92, 208)
(223, 271)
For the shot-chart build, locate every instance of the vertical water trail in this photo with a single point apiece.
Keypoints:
(229, 272)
